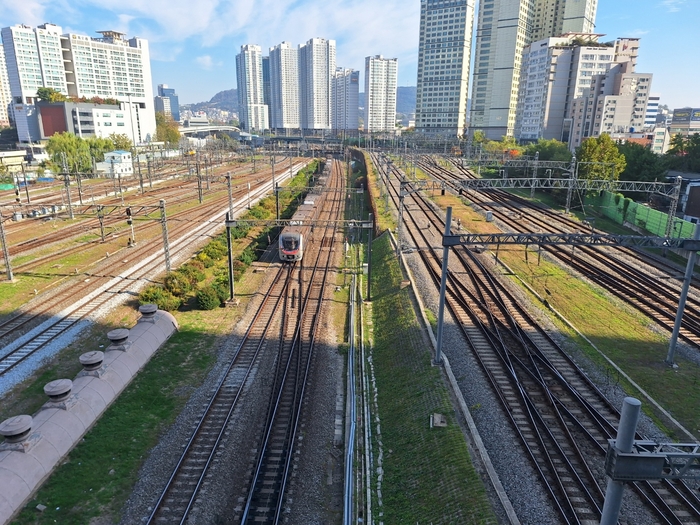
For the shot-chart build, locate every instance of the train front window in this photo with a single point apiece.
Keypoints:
(290, 243)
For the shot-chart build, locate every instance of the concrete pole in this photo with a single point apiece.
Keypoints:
(631, 408)
(166, 246)
(5, 250)
(443, 287)
(230, 194)
(229, 217)
(692, 257)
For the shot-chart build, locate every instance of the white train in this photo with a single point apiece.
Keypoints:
(294, 236)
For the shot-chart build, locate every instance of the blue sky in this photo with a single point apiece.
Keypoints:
(194, 42)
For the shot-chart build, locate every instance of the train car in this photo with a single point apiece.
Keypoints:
(293, 237)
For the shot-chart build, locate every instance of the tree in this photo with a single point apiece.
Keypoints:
(549, 150)
(75, 150)
(166, 129)
(684, 153)
(50, 95)
(121, 141)
(98, 147)
(642, 163)
(600, 159)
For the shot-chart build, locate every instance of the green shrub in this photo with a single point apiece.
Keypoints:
(155, 294)
(193, 271)
(247, 256)
(239, 232)
(208, 298)
(177, 284)
(216, 250)
(222, 291)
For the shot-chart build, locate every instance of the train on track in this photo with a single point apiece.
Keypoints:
(293, 238)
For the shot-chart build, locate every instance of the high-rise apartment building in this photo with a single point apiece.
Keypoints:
(345, 99)
(504, 28)
(78, 66)
(168, 102)
(5, 96)
(554, 72)
(652, 111)
(253, 112)
(381, 76)
(284, 87)
(616, 101)
(316, 67)
(444, 52)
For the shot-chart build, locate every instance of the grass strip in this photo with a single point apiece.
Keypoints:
(428, 475)
(98, 475)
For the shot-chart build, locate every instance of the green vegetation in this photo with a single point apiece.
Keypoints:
(167, 130)
(100, 472)
(600, 159)
(428, 476)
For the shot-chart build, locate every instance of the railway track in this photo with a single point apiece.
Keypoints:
(284, 325)
(653, 293)
(54, 317)
(562, 420)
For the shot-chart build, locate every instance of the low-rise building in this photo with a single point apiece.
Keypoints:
(117, 163)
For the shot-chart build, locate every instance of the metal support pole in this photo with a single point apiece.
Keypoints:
(534, 175)
(121, 192)
(230, 194)
(443, 287)
(229, 217)
(199, 184)
(140, 175)
(26, 186)
(249, 195)
(369, 257)
(70, 204)
(692, 257)
(631, 408)
(166, 245)
(101, 218)
(398, 226)
(277, 201)
(572, 183)
(5, 250)
(673, 207)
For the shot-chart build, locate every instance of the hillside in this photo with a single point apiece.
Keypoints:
(224, 100)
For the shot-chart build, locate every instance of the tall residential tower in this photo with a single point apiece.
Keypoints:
(443, 66)
(284, 87)
(380, 93)
(346, 94)
(504, 28)
(249, 74)
(316, 67)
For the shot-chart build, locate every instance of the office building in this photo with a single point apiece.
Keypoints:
(685, 121)
(554, 72)
(5, 96)
(652, 111)
(80, 67)
(345, 99)
(615, 103)
(168, 102)
(444, 52)
(381, 76)
(504, 29)
(284, 87)
(316, 67)
(253, 112)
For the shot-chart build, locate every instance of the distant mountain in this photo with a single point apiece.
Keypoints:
(225, 100)
(405, 99)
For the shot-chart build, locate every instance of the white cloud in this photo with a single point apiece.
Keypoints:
(207, 62)
(673, 6)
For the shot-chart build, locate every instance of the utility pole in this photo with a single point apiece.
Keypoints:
(26, 186)
(166, 246)
(229, 218)
(101, 218)
(534, 175)
(199, 183)
(5, 250)
(67, 183)
(230, 195)
(139, 168)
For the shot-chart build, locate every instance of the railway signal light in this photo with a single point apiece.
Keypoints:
(17, 199)
(129, 220)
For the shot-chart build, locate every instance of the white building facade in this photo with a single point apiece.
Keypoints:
(504, 29)
(555, 71)
(316, 67)
(254, 114)
(444, 52)
(381, 77)
(284, 87)
(78, 66)
(345, 99)
(5, 95)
